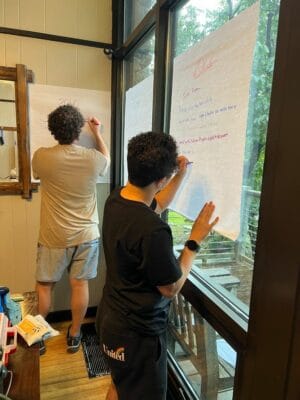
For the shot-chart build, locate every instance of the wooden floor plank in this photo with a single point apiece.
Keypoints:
(64, 376)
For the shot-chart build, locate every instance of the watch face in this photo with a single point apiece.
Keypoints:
(192, 245)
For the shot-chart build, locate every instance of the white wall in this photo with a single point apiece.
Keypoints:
(58, 64)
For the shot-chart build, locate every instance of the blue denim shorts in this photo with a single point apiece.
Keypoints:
(81, 262)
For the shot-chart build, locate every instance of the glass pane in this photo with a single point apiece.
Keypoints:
(135, 10)
(138, 93)
(7, 90)
(225, 260)
(8, 156)
(8, 133)
(204, 357)
(7, 114)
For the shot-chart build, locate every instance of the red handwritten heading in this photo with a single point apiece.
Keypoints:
(202, 65)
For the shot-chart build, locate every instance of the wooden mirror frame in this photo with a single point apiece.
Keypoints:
(21, 76)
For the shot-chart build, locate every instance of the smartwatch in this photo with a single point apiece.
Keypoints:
(192, 245)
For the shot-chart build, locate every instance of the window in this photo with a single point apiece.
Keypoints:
(138, 92)
(217, 292)
(227, 262)
(135, 10)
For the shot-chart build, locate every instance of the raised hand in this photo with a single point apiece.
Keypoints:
(94, 125)
(182, 163)
(202, 225)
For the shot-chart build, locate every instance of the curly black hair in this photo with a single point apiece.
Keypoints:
(65, 123)
(151, 156)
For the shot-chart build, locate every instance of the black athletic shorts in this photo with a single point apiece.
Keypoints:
(138, 363)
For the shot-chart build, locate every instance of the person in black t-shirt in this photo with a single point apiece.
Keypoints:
(143, 274)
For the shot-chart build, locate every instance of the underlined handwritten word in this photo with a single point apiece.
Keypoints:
(203, 138)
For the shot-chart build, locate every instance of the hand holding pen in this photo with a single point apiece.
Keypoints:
(94, 124)
(182, 163)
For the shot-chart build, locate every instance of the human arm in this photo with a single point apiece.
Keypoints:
(95, 126)
(166, 195)
(200, 229)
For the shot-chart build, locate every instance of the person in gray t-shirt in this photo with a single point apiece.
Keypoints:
(69, 234)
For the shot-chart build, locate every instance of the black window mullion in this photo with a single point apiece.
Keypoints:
(168, 4)
(137, 35)
(117, 95)
(161, 60)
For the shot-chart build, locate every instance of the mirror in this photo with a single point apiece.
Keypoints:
(8, 132)
(15, 177)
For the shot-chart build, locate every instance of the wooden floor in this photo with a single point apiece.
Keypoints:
(63, 376)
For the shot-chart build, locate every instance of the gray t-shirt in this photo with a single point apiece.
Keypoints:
(68, 175)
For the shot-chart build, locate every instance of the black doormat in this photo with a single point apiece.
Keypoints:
(95, 361)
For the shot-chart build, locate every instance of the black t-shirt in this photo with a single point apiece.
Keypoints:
(138, 248)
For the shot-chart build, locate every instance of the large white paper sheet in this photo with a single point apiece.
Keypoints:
(45, 98)
(138, 113)
(209, 110)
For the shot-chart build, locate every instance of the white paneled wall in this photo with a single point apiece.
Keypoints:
(83, 19)
(58, 64)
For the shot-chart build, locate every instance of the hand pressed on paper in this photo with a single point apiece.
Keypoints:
(202, 225)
